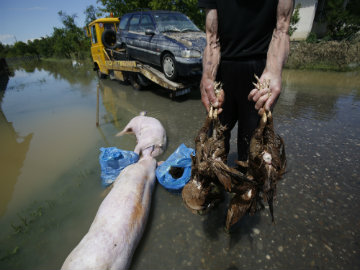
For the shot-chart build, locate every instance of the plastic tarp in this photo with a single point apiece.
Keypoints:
(181, 158)
(113, 161)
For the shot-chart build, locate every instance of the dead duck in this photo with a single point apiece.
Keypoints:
(204, 190)
(267, 160)
(210, 175)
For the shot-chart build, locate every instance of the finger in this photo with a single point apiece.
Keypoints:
(252, 93)
(221, 98)
(260, 94)
(270, 102)
(261, 101)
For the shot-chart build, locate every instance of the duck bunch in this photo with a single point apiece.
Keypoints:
(210, 176)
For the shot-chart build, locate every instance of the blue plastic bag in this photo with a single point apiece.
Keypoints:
(181, 158)
(113, 161)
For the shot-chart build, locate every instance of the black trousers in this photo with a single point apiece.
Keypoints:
(237, 78)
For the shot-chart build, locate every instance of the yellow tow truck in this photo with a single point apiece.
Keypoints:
(113, 62)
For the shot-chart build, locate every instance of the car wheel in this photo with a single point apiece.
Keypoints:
(134, 81)
(169, 67)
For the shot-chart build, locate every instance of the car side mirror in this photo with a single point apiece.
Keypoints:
(149, 32)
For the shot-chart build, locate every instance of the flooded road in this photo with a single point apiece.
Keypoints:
(50, 186)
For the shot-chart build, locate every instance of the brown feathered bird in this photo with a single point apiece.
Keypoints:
(204, 189)
(266, 164)
(210, 176)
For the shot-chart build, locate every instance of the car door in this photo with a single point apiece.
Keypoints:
(132, 40)
(121, 35)
(146, 40)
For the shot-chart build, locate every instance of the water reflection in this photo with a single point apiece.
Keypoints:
(116, 104)
(315, 95)
(36, 109)
(4, 79)
(72, 71)
(13, 151)
(12, 155)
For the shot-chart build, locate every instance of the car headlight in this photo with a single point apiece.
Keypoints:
(190, 54)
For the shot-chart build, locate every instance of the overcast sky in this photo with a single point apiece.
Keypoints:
(23, 20)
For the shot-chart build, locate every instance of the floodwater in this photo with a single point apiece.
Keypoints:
(50, 186)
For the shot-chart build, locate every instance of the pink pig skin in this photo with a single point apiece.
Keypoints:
(119, 222)
(121, 218)
(149, 132)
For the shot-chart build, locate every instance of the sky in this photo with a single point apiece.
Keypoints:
(23, 20)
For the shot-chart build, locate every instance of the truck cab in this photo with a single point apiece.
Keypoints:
(95, 31)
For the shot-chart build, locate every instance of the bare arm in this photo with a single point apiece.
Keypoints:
(276, 57)
(211, 60)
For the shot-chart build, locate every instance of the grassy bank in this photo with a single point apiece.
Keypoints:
(325, 55)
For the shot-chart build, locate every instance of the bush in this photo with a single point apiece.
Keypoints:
(295, 18)
(342, 20)
(312, 38)
(329, 55)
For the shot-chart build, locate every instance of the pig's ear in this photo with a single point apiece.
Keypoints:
(125, 131)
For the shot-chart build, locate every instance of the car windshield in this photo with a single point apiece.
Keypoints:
(174, 22)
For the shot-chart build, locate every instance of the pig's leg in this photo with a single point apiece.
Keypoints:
(131, 127)
(126, 130)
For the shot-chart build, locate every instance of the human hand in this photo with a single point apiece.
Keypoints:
(266, 97)
(208, 96)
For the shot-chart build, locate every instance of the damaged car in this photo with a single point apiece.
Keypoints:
(165, 39)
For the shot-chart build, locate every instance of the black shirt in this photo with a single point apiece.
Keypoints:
(245, 27)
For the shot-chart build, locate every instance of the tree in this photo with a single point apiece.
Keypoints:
(120, 7)
(342, 18)
(45, 46)
(70, 40)
(19, 49)
(91, 14)
(3, 50)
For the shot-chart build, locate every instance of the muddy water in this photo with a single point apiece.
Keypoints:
(50, 177)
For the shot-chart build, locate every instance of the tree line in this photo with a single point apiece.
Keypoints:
(69, 41)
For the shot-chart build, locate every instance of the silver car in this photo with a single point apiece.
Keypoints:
(165, 39)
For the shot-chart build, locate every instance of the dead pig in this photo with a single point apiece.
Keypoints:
(149, 132)
(121, 218)
(119, 222)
